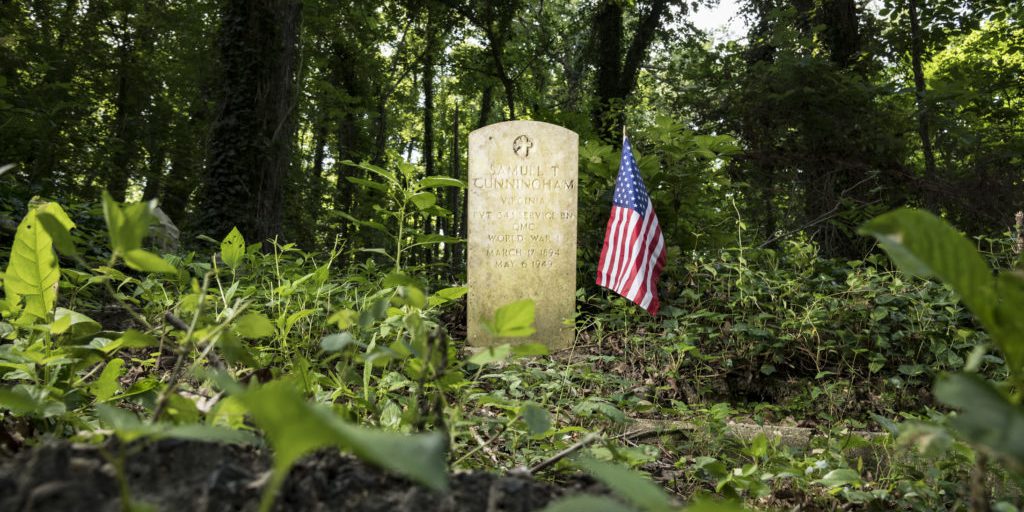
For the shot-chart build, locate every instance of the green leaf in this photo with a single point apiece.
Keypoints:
(208, 434)
(536, 418)
(986, 416)
(106, 385)
(924, 245)
(73, 323)
(336, 342)
(423, 200)
(368, 183)
(24, 400)
(343, 318)
(17, 401)
(130, 339)
(447, 295)
(232, 249)
(491, 355)
(145, 261)
(712, 506)
(513, 320)
(254, 325)
(629, 485)
(295, 427)
(1009, 320)
(839, 478)
(587, 503)
(32, 272)
(128, 224)
(439, 181)
(58, 225)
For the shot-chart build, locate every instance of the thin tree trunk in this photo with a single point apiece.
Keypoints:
(486, 103)
(455, 198)
(916, 49)
(428, 124)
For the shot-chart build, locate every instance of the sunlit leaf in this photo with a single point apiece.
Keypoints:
(232, 249)
(145, 261)
(106, 385)
(254, 325)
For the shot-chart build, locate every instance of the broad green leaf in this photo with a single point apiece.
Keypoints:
(447, 295)
(924, 245)
(128, 224)
(1009, 319)
(130, 339)
(343, 318)
(536, 418)
(23, 400)
(125, 424)
(232, 249)
(513, 320)
(986, 416)
(208, 434)
(368, 183)
(295, 427)
(254, 325)
(491, 355)
(587, 503)
(145, 261)
(423, 200)
(32, 272)
(17, 401)
(839, 478)
(336, 342)
(234, 350)
(58, 225)
(439, 181)
(629, 485)
(106, 385)
(713, 506)
(73, 323)
(436, 239)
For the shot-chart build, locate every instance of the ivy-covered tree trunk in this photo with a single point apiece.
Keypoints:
(253, 136)
(617, 73)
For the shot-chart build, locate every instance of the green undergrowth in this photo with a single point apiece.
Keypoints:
(774, 378)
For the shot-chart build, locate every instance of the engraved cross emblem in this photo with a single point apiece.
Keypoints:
(521, 146)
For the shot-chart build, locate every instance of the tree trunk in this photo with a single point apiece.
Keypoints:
(486, 102)
(456, 199)
(617, 74)
(428, 123)
(252, 138)
(124, 140)
(916, 49)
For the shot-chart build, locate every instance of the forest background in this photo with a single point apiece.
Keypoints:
(331, 136)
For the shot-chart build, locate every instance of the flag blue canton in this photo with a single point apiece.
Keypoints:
(630, 191)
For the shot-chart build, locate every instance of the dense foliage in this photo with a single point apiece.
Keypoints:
(242, 221)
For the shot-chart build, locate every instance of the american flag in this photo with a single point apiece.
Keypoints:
(634, 250)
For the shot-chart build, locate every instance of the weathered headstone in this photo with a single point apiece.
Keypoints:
(522, 226)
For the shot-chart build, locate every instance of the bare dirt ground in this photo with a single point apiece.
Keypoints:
(190, 476)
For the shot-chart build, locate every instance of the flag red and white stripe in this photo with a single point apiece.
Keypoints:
(634, 249)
